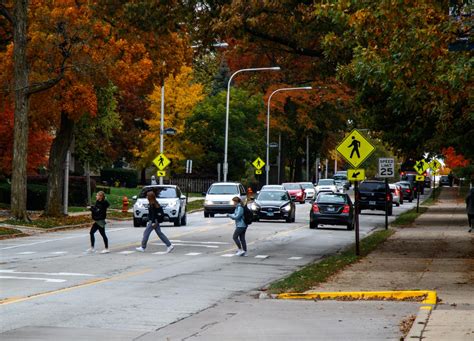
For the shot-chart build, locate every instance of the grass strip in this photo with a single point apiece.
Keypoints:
(407, 218)
(433, 198)
(315, 273)
(195, 205)
(4, 231)
(47, 222)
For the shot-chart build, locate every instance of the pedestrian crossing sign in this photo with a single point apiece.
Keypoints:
(421, 166)
(258, 172)
(161, 161)
(356, 174)
(161, 173)
(355, 148)
(258, 163)
(435, 165)
(420, 178)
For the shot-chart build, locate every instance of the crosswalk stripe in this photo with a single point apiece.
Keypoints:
(59, 252)
(262, 256)
(228, 255)
(295, 258)
(26, 253)
(126, 252)
(193, 254)
(160, 253)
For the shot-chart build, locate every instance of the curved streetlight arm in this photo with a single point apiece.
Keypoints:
(226, 136)
(267, 166)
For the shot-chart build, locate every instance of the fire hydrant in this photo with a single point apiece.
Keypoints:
(249, 194)
(125, 204)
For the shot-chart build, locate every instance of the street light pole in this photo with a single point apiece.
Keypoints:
(267, 168)
(226, 136)
(162, 124)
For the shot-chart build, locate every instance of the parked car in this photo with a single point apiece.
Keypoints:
(219, 198)
(332, 209)
(296, 191)
(326, 185)
(341, 180)
(411, 177)
(169, 197)
(372, 196)
(427, 183)
(444, 180)
(273, 204)
(308, 190)
(407, 190)
(277, 187)
(396, 194)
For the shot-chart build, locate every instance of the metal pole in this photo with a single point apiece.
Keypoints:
(317, 169)
(386, 203)
(162, 124)
(279, 157)
(335, 164)
(326, 170)
(66, 183)
(226, 135)
(88, 177)
(307, 158)
(418, 197)
(356, 198)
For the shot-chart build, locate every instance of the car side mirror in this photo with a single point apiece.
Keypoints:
(183, 197)
(134, 197)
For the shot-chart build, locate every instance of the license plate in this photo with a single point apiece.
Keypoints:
(270, 214)
(372, 203)
(331, 209)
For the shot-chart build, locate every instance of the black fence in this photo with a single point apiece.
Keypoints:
(191, 185)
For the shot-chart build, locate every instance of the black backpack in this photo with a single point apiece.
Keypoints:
(248, 215)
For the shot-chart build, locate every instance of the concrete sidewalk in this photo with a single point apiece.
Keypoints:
(436, 253)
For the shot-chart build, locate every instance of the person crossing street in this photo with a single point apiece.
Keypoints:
(99, 214)
(240, 227)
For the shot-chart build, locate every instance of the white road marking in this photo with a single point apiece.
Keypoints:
(228, 255)
(193, 253)
(59, 252)
(45, 273)
(295, 258)
(58, 239)
(26, 253)
(193, 241)
(49, 280)
(197, 245)
(126, 252)
(160, 253)
(261, 256)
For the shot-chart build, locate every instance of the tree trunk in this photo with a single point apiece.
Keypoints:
(20, 129)
(57, 158)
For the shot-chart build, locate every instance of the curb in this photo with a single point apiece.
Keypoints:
(419, 325)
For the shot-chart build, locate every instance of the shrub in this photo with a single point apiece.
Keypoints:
(126, 177)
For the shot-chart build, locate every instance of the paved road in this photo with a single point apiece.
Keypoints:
(49, 284)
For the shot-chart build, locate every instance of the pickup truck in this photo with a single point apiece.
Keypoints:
(372, 196)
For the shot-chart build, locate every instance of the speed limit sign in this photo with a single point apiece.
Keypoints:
(386, 168)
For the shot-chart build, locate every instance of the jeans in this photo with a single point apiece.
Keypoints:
(239, 238)
(101, 230)
(161, 235)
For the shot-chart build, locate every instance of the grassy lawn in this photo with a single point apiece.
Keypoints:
(313, 274)
(47, 223)
(6, 231)
(195, 205)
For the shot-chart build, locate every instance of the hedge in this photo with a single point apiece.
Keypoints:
(125, 177)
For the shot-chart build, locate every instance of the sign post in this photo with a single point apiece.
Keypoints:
(434, 165)
(420, 180)
(355, 148)
(386, 170)
(189, 170)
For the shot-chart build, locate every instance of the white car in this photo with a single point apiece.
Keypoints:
(395, 194)
(219, 198)
(309, 190)
(326, 185)
(168, 196)
(274, 187)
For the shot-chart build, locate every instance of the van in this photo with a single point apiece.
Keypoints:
(219, 198)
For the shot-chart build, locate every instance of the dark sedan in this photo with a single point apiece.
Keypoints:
(273, 204)
(332, 209)
(407, 190)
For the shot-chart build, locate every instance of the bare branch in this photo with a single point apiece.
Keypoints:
(6, 13)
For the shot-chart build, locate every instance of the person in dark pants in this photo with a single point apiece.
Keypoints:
(99, 214)
(155, 217)
(240, 227)
(470, 208)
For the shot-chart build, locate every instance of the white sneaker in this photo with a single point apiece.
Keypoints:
(170, 248)
(243, 254)
(105, 251)
(140, 249)
(238, 252)
(90, 250)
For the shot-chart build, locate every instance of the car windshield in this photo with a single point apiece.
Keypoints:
(332, 198)
(339, 177)
(273, 196)
(326, 182)
(272, 187)
(372, 186)
(292, 186)
(160, 192)
(307, 185)
(404, 184)
(223, 189)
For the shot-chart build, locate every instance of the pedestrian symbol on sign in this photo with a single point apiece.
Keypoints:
(355, 147)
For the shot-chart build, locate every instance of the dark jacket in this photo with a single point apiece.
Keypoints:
(470, 202)
(155, 214)
(99, 210)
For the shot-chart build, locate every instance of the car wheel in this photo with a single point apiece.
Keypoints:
(398, 204)
(184, 220)
(313, 225)
(289, 219)
(137, 222)
(177, 221)
(350, 227)
(410, 200)
(206, 215)
(212, 215)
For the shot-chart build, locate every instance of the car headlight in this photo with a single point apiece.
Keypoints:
(286, 208)
(207, 202)
(139, 204)
(254, 207)
(173, 204)
(231, 202)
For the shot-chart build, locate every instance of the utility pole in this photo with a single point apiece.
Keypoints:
(307, 158)
(162, 124)
(279, 157)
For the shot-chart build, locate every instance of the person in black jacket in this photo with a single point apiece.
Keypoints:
(155, 217)
(470, 208)
(99, 213)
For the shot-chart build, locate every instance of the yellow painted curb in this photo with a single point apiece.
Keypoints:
(428, 295)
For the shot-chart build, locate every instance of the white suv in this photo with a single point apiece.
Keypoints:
(219, 197)
(169, 197)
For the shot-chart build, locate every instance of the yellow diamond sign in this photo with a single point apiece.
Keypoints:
(420, 178)
(258, 163)
(421, 166)
(356, 174)
(355, 148)
(161, 161)
(161, 173)
(435, 165)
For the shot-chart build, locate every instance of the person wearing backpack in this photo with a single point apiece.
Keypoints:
(99, 214)
(240, 227)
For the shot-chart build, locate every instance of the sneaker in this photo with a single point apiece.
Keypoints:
(170, 248)
(140, 249)
(243, 254)
(90, 250)
(238, 252)
(105, 251)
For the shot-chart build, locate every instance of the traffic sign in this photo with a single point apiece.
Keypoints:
(386, 167)
(420, 178)
(356, 174)
(421, 166)
(258, 163)
(435, 165)
(161, 173)
(273, 145)
(161, 161)
(355, 148)
(258, 172)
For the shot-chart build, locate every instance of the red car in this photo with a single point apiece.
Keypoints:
(296, 191)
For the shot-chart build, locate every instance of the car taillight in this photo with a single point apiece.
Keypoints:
(408, 191)
(315, 208)
(389, 198)
(346, 209)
